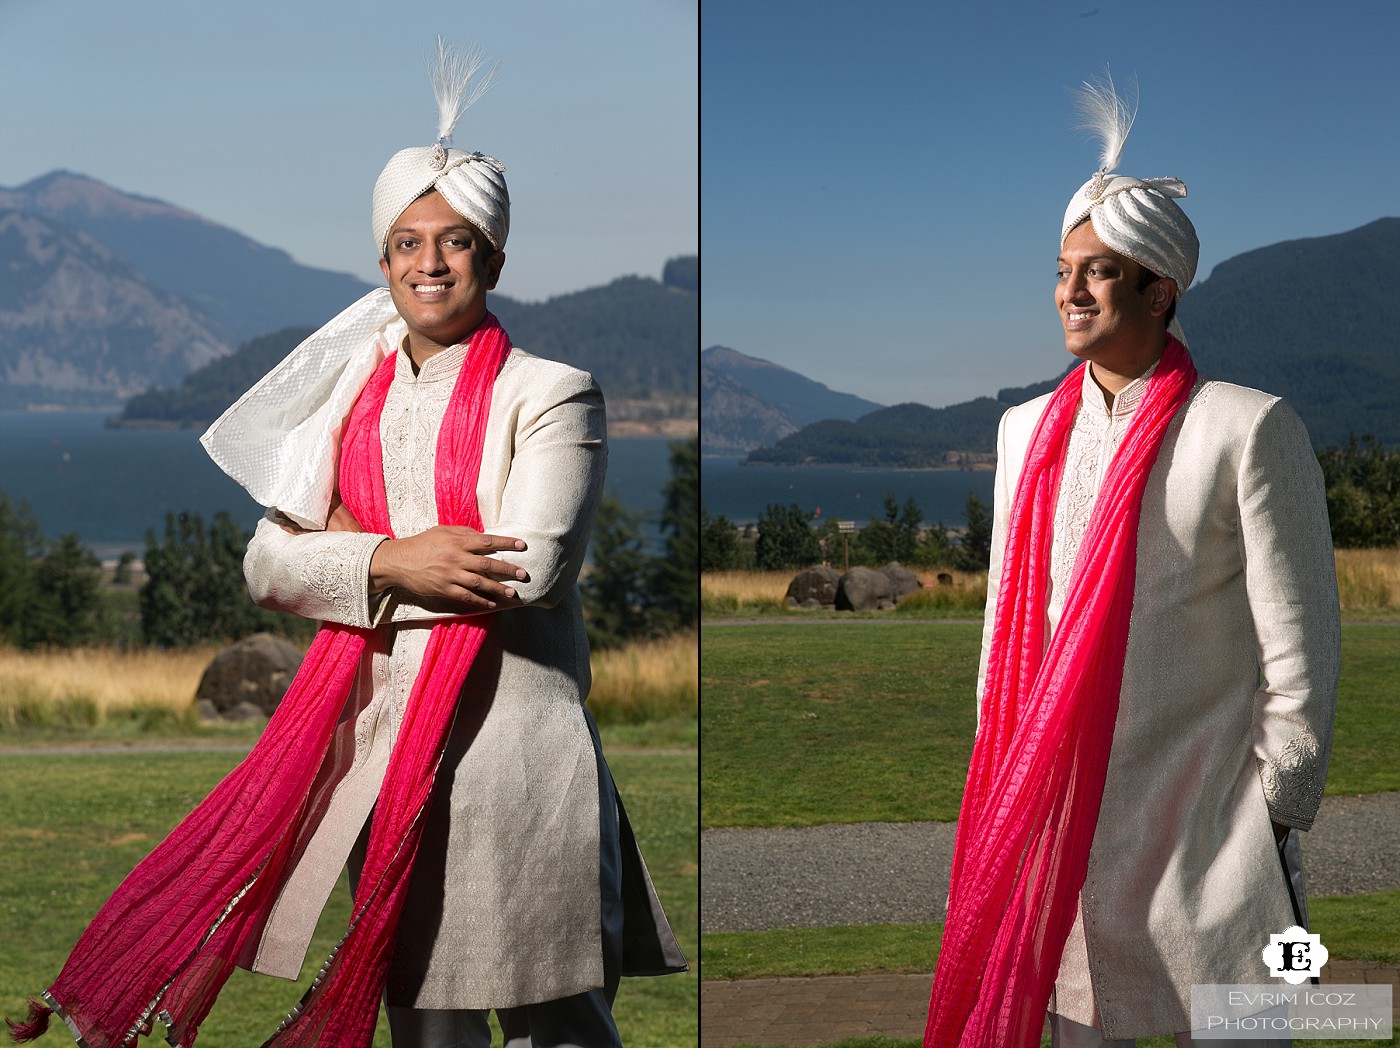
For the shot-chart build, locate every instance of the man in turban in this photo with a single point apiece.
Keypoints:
(430, 491)
(517, 896)
(1159, 667)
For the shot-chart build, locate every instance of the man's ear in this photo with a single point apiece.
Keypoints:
(1163, 294)
(494, 264)
(384, 268)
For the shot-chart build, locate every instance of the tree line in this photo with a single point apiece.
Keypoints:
(1362, 479)
(787, 537)
(52, 591)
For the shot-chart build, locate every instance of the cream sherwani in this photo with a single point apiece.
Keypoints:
(1229, 689)
(506, 904)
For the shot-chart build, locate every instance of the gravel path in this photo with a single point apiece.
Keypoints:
(897, 873)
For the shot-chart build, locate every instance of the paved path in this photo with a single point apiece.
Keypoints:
(895, 873)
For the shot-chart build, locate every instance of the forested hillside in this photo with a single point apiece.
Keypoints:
(637, 336)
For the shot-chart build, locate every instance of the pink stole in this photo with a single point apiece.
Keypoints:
(1036, 778)
(166, 941)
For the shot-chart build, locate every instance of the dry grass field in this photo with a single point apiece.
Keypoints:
(96, 687)
(765, 592)
(1368, 582)
(646, 681)
(744, 591)
(1369, 579)
(85, 687)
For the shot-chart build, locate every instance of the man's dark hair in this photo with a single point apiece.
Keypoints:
(1145, 281)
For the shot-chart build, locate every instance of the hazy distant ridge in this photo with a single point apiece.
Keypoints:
(81, 326)
(747, 402)
(1316, 321)
(107, 294)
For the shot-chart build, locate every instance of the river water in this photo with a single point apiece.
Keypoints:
(111, 485)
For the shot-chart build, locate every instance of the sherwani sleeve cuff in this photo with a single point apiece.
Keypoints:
(1292, 588)
(321, 575)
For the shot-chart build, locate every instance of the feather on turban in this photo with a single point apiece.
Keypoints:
(1136, 217)
(473, 184)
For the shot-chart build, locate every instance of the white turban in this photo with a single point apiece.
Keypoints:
(1139, 218)
(473, 184)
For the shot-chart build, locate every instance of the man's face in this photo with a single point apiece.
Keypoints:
(1105, 317)
(439, 268)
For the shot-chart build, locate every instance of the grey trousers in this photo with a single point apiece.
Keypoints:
(582, 1021)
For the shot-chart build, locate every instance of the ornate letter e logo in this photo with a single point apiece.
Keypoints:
(1294, 955)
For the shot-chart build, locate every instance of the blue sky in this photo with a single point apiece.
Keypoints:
(883, 184)
(275, 116)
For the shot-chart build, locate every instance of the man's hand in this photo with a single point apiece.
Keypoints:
(341, 519)
(448, 562)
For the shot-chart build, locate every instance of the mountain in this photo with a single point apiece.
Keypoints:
(246, 287)
(636, 335)
(748, 402)
(1315, 321)
(204, 393)
(106, 294)
(906, 436)
(81, 326)
(733, 419)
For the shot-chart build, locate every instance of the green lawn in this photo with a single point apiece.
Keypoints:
(838, 722)
(1368, 712)
(74, 825)
(814, 723)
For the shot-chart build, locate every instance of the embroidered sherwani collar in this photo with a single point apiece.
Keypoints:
(1125, 401)
(442, 366)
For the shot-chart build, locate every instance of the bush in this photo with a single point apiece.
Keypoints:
(195, 591)
(719, 543)
(785, 539)
(1363, 493)
(48, 589)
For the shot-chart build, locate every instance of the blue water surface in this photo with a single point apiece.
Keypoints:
(110, 486)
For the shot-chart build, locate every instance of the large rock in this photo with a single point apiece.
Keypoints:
(902, 579)
(814, 588)
(864, 589)
(255, 670)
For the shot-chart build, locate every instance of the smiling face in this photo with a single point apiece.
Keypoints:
(439, 268)
(1108, 317)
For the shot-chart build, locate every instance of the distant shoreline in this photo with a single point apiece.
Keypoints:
(621, 429)
(856, 467)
